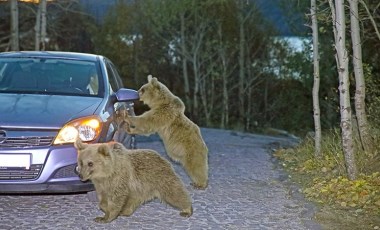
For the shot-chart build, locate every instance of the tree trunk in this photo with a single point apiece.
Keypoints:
(196, 88)
(361, 116)
(40, 27)
(43, 37)
(241, 64)
(344, 93)
(316, 108)
(184, 64)
(266, 107)
(248, 112)
(37, 29)
(14, 26)
(225, 109)
(222, 51)
(207, 91)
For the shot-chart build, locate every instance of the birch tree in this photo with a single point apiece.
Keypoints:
(40, 27)
(316, 108)
(339, 25)
(185, 72)
(241, 19)
(225, 75)
(361, 116)
(14, 26)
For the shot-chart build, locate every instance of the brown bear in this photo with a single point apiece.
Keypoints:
(181, 137)
(124, 179)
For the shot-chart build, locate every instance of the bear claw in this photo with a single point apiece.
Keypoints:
(198, 186)
(100, 220)
(186, 213)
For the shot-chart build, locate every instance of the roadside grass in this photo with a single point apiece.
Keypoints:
(342, 203)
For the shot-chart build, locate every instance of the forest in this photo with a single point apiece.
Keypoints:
(224, 58)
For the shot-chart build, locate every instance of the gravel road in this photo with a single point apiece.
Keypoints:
(247, 190)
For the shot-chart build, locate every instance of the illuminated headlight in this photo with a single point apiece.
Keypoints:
(88, 129)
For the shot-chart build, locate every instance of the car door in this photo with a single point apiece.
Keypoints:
(120, 109)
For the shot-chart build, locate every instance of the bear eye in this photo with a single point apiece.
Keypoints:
(142, 90)
(90, 164)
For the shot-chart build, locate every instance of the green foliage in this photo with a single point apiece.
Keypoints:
(372, 83)
(360, 195)
(68, 28)
(325, 181)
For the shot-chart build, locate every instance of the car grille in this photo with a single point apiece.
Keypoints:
(25, 142)
(32, 173)
(67, 171)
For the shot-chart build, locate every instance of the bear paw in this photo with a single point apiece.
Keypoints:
(101, 220)
(127, 212)
(199, 186)
(186, 212)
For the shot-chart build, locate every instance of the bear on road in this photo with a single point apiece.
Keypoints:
(124, 179)
(182, 137)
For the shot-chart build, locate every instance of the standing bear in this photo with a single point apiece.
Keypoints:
(181, 137)
(124, 179)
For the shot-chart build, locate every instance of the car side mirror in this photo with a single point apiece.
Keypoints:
(124, 94)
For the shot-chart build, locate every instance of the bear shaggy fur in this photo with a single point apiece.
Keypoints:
(124, 179)
(181, 137)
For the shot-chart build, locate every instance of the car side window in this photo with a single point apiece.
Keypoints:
(2, 70)
(113, 77)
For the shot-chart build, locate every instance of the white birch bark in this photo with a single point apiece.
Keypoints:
(361, 116)
(344, 93)
(185, 74)
(316, 107)
(14, 26)
(37, 29)
(40, 27)
(241, 68)
(43, 24)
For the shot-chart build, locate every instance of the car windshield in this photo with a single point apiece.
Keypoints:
(49, 76)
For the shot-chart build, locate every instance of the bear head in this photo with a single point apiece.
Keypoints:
(154, 93)
(94, 160)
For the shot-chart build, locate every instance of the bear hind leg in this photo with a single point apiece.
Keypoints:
(197, 169)
(179, 200)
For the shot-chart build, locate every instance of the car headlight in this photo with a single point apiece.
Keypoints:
(88, 129)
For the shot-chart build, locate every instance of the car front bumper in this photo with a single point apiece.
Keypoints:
(69, 187)
(52, 171)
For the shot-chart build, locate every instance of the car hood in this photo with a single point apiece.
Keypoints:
(43, 111)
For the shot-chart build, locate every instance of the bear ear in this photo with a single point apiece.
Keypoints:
(153, 80)
(150, 78)
(79, 145)
(104, 150)
(117, 145)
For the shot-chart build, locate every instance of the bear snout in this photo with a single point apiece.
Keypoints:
(77, 171)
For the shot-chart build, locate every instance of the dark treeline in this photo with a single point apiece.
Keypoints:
(224, 58)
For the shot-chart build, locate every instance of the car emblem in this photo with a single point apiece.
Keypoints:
(2, 136)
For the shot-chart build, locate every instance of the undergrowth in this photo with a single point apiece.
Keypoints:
(324, 181)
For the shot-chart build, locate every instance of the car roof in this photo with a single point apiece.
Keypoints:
(51, 54)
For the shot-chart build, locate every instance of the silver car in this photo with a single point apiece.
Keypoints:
(47, 99)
